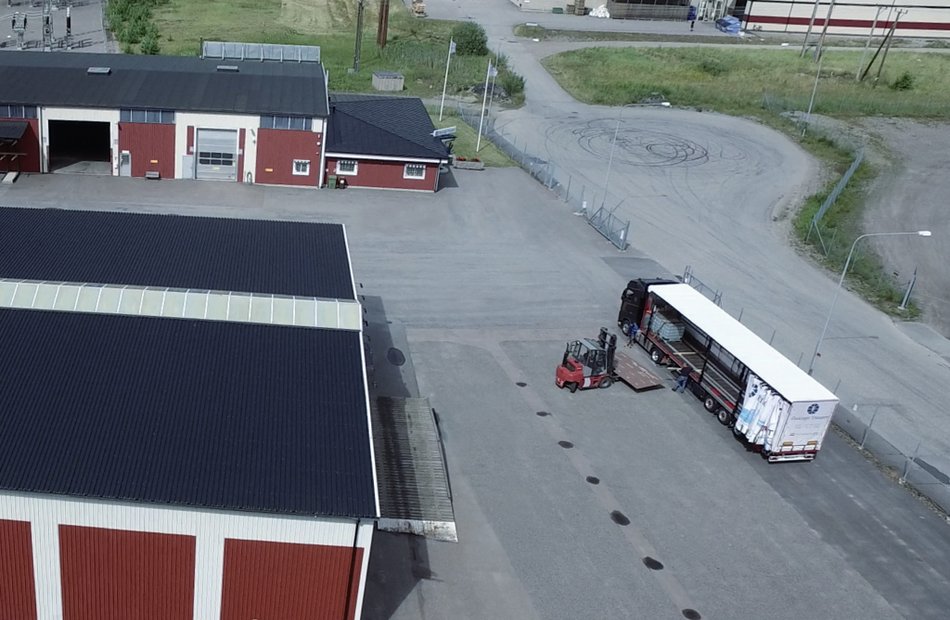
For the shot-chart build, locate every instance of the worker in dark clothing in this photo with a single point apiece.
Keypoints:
(682, 378)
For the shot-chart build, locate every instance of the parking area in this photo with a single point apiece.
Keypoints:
(604, 503)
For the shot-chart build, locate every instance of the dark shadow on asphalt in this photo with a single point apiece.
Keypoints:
(447, 180)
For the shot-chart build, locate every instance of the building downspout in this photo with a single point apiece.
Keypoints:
(349, 581)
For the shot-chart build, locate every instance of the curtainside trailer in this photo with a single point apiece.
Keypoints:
(768, 401)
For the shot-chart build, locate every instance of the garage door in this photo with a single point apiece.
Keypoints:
(217, 155)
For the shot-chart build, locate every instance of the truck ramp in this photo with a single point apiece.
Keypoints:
(414, 492)
(635, 375)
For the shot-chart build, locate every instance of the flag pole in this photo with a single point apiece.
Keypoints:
(445, 83)
(491, 98)
(481, 118)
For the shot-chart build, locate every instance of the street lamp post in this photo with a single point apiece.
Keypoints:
(844, 272)
(613, 147)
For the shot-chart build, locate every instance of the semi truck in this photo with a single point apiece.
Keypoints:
(768, 401)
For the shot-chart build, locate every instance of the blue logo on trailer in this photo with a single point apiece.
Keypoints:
(813, 409)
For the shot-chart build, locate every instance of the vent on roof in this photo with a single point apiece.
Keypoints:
(229, 68)
(99, 70)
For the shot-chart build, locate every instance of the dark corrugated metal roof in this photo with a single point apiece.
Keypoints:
(191, 413)
(167, 82)
(250, 256)
(376, 125)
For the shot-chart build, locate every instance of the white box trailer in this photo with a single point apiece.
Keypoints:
(767, 400)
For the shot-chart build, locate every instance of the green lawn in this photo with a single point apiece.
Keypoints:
(738, 81)
(416, 47)
(466, 138)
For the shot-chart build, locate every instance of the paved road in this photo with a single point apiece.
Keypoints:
(480, 286)
(714, 192)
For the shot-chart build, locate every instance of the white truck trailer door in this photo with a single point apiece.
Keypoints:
(804, 429)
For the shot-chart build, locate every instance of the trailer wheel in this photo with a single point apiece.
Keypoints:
(656, 355)
(573, 387)
(625, 327)
(724, 417)
(606, 382)
(710, 404)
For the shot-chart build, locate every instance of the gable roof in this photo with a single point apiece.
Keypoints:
(248, 256)
(380, 125)
(188, 413)
(166, 82)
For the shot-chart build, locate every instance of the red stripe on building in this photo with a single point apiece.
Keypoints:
(286, 580)
(845, 23)
(240, 162)
(17, 591)
(191, 139)
(119, 575)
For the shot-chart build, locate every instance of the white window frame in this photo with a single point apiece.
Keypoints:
(406, 175)
(306, 172)
(356, 167)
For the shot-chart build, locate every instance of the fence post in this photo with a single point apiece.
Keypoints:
(567, 194)
(867, 429)
(907, 461)
(772, 337)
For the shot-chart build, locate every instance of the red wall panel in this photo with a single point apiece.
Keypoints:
(148, 142)
(29, 144)
(17, 593)
(278, 148)
(119, 575)
(286, 580)
(240, 162)
(386, 174)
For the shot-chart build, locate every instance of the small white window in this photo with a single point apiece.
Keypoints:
(302, 167)
(346, 166)
(414, 171)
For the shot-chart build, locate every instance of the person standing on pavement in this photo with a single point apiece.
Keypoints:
(692, 24)
(682, 378)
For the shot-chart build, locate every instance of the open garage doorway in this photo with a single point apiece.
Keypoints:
(80, 147)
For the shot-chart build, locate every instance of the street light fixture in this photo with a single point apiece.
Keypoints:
(844, 272)
(613, 147)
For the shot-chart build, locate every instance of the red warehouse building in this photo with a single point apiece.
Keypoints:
(227, 118)
(186, 439)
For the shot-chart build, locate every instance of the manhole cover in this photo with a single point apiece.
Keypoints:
(593, 479)
(691, 614)
(521, 384)
(565, 444)
(395, 356)
(542, 413)
(619, 518)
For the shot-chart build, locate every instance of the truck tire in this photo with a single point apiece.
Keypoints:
(656, 355)
(724, 417)
(625, 327)
(710, 404)
(605, 383)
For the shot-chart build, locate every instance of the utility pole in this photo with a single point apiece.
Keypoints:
(47, 26)
(811, 24)
(867, 44)
(382, 28)
(824, 30)
(887, 48)
(19, 27)
(359, 36)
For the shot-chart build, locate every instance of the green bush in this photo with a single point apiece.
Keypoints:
(713, 66)
(149, 45)
(904, 82)
(131, 21)
(470, 39)
(511, 82)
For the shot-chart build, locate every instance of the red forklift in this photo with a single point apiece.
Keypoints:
(588, 363)
(596, 364)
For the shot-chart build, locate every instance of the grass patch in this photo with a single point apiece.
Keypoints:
(840, 226)
(765, 84)
(416, 48)
(741, 81)
(465, 139)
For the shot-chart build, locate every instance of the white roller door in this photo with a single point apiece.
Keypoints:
(217, 154)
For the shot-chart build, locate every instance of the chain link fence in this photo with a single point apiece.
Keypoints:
(877, 428)
(583, 200)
